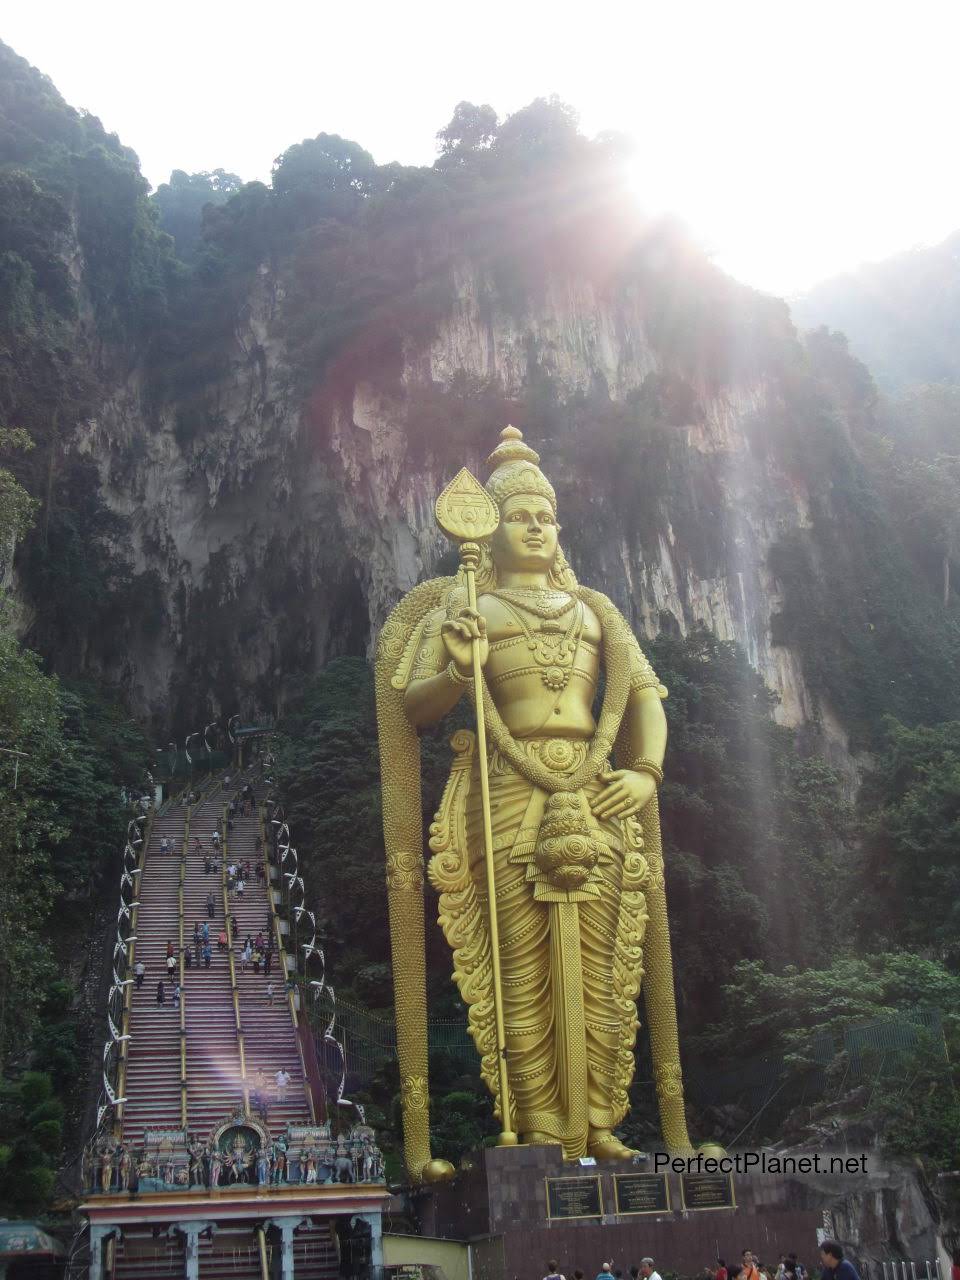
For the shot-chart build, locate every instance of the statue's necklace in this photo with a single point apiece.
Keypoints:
(552, 649)
(537, 600)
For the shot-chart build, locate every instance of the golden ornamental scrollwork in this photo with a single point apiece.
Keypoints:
(405, 871)
(465, 510)
(413, 1092)
(669, 1080)
(392, 641)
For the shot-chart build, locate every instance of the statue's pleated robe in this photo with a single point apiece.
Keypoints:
(571, 962)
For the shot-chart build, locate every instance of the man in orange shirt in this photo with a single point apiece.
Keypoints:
(749, 1269)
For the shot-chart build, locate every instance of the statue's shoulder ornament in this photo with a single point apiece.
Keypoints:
(412, 624)
(621, 641)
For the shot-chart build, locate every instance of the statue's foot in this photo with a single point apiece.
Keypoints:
(536, 1139)
(604, 1145)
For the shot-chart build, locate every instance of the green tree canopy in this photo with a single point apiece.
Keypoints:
(181, 202)
(322, 177)
(471, 128)
(910, 858)
(31, 1121)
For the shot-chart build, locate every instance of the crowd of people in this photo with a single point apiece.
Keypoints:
(607, 1271)
(833, 1266)
(750, 1267)
(258, 950)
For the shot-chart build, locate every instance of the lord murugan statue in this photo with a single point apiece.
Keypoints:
(546, 849)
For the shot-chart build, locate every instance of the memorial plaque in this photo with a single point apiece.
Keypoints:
(574, 1198)
(707, 1191)
(641, 1193)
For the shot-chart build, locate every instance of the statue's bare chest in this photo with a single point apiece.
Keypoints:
(529, 651)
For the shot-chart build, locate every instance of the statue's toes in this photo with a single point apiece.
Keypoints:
(609, 1148)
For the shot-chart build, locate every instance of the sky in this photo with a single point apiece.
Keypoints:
(796, 140)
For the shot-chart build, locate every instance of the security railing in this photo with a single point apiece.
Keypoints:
(181, 951)
(315, 1093)
(319, 1005)
(123, 959)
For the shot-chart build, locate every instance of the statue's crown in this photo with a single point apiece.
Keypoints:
(515, 470)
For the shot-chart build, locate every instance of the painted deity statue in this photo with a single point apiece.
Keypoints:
(576, 849)
(106, 1165)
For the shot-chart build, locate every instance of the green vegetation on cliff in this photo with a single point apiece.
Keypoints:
(62, 826)
(84, 279)
(66, 752)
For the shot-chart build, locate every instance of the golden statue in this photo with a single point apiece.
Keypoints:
(571, 844)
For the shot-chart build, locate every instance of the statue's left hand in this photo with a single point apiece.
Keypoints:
(627, 793)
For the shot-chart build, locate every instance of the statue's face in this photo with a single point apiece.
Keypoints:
(526, 538)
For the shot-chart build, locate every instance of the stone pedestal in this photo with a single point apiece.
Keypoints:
(499, 1205)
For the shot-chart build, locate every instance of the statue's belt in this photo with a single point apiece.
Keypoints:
(559, 755)
(555, 836)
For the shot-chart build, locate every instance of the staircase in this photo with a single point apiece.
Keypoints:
(270, 1040)
(214, 1080)
(213, 1070)
(152, 1085)
(232, 1254)
(269, 1036)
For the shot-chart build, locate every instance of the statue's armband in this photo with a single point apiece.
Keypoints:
(642, 674)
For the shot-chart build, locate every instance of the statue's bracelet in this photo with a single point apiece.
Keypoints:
(643, 765)
(454, 676)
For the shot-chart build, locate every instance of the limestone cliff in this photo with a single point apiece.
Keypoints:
(241, 433)
(292, 543)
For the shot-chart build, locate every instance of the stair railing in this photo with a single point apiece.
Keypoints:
(133, 907)
(232, 962)
(204, 790)
(316, 989)
(311, 1078)
(185, 848)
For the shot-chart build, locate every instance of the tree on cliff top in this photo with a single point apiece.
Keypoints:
(181, 202)
(470, 129)
(322, 177)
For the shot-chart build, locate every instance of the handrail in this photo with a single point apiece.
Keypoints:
(282, 958)
(128, 991)
(315, 986)
(213, 783)
(183, 986)
(127, 1003)
(233, 968)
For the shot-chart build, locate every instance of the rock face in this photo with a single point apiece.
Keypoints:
(889, 1214)
(288, 542)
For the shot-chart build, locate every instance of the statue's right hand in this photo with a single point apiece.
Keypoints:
(458, 635)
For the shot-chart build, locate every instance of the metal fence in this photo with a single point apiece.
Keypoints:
(370, 1041)
(869, 1044)
(864, 1053)
(898, 1269)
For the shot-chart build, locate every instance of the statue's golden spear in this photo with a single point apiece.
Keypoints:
(467, 513)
